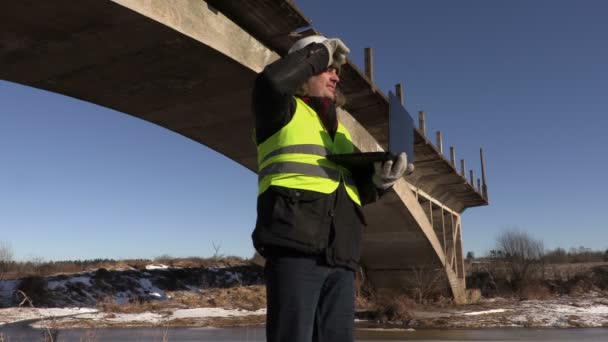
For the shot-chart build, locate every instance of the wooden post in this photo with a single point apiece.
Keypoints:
(462, 168)
(399, 92)
(421, 123)
(472, 178)
(439, 142)
(369, 64)
(453, 156)
(484, 187)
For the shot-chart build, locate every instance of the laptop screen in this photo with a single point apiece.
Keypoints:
(401, 128)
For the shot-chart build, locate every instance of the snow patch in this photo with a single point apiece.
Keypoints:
(475, 313)
(12, 315)
(149, 317)
(157, 267)
(20, 314)
(151, 290)
(213, 312)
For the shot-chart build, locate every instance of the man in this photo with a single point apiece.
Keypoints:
(309, 225)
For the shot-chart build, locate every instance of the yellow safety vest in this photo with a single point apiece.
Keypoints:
(295, 156)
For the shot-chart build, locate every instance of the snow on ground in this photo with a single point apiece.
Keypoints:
(145, 318)
(13, 315)
(213, 312)
(562, 314)
(152, 290)
(157, 267)
(590, 310)
(475, 313)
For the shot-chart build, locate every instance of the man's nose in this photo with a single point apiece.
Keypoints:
(334, 76)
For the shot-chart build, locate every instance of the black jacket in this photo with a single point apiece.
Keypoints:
(294, 221)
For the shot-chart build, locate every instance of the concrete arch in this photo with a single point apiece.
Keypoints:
(191, 74)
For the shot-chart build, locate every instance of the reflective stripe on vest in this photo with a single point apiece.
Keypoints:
(305, 169)
(295, 156)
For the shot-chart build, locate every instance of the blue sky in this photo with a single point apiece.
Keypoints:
(525, 80)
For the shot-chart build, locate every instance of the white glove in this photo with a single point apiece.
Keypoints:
(337, 52)
(387, 173)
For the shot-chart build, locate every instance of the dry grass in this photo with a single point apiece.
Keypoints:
(243, 297)
(249, 298)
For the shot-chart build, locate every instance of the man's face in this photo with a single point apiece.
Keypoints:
(324, 84)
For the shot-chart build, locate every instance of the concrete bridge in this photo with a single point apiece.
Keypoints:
(188, 66)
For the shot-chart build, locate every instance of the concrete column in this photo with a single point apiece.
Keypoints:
(453, 156)
(399, 92)
(439, 143)
(421, 123)
(369, 64)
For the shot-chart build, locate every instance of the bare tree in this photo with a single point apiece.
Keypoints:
(520, 251)
(216, 248)
(6, 258)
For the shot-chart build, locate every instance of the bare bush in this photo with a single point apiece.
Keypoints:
(424, 282)
(521, 253)
(486, 277)
(391, 306)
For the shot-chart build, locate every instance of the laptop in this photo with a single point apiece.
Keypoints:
(400, 139)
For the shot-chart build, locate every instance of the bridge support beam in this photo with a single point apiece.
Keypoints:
(409, 231)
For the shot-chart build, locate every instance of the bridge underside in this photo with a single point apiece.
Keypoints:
(107, 54)
(188, 68)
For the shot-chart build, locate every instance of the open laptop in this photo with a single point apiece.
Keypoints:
(400, 139)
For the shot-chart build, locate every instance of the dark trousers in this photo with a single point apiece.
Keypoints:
(308, 301)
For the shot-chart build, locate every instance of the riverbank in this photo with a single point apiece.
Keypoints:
(587, 310)
(232, 294)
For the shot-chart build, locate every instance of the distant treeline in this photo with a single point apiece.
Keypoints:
(10, 269)
(43, 268)
(575, 255)
(555, 256)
